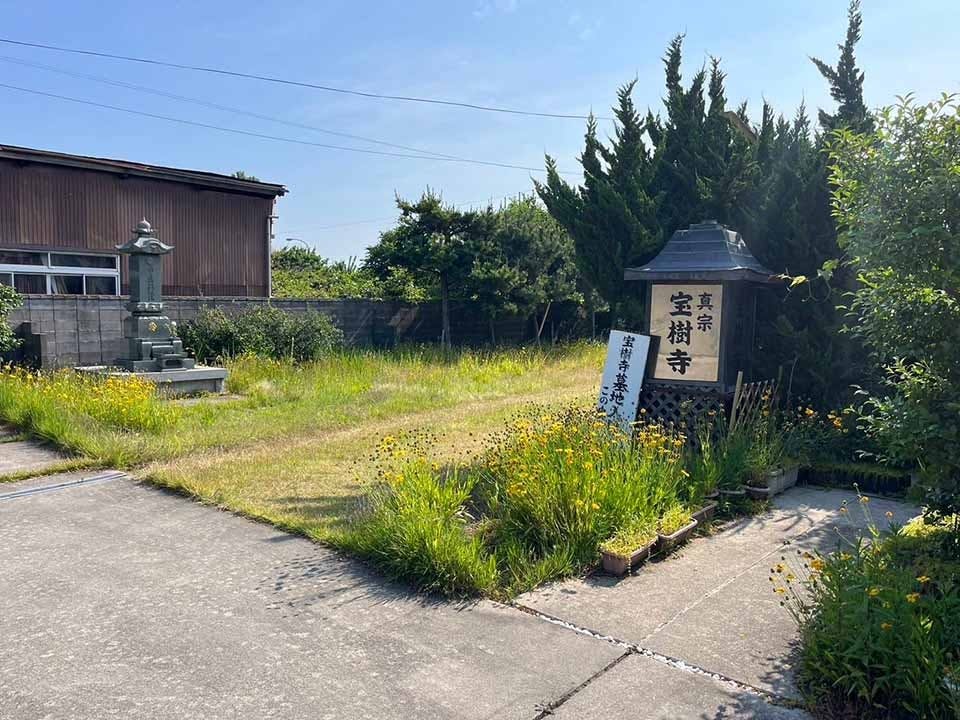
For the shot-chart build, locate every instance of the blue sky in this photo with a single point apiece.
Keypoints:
(547, 56)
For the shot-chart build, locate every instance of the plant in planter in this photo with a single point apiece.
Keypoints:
(770, 471)
(629, 547)
(734, 459)
(703, 464)
(704, 514)
(676, 526)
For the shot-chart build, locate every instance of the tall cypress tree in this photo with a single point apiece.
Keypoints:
(611, 217)
(846, 81)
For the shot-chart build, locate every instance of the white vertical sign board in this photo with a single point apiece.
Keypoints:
(623, 376)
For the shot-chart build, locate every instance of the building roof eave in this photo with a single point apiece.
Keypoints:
(208, 180)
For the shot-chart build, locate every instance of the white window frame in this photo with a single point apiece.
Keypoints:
(49, 270)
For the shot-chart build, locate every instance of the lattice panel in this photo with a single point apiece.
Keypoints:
(678, 408)
(751, 400)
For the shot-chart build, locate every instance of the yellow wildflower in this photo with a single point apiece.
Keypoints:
(912, 597)
(886, 626)
(873, 592)
(923, 579)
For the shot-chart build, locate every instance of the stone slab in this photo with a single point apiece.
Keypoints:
(25, 455)
(711, 603)
(174, 383)
(120, 600)
(641, 688)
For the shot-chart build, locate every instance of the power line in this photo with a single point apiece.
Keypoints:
(216, 106)
(265, 136)
(296, 83)
(337, 226)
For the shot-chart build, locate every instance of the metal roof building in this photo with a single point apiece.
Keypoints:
(62, 215)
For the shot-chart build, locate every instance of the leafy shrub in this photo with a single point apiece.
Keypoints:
(895, 201)
(414, 528)
(880, 624)
(9, 301)
(266, 331)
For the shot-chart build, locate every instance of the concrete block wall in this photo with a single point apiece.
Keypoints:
(69, 330)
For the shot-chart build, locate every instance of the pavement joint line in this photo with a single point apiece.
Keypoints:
(675, 663)
(630, 647)
(92, 480)
(549, 708)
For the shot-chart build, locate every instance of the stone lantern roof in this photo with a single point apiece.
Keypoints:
(705, 251)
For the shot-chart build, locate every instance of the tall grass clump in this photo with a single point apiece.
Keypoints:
(119, 401)
(556, 485)
(413, 526)
(83, 413)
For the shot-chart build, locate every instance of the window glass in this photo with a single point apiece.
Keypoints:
(99, 285)
(18, 257)
(87, 261)
(6, 279)
(35, 284)
(66, 284)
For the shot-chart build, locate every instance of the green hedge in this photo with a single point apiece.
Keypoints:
(267, 331)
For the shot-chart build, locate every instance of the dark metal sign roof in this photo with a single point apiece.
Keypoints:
(704, 251)
(209, 180)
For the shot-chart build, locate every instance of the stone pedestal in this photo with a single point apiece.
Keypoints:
(199, 380)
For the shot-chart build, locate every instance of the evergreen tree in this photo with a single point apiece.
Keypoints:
(435, 243)
(611, 216)
(846, 81)
(540, 256)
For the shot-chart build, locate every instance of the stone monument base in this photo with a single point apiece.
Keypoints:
(172, 383)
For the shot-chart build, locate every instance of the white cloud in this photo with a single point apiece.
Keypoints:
(488, 7)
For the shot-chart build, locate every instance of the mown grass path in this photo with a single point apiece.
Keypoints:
(308, 482)
(291, 445)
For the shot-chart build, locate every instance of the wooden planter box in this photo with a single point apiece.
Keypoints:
(705, 514)
(777, 482)
(668, 542)
(619, 565)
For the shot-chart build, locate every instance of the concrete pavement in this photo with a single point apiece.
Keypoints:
(711, 605)
(24, 456)
(122, 600)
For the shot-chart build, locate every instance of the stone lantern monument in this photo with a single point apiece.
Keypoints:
(701, 294)
(151, 336)
(153, 350)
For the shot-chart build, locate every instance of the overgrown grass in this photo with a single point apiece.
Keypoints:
(880, 623)
(545, 493)
(559, 484)
(120, 423)
(415, 530)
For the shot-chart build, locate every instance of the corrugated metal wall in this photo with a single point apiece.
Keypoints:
(220, 237)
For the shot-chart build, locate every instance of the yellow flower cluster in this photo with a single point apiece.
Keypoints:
(123, 401)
